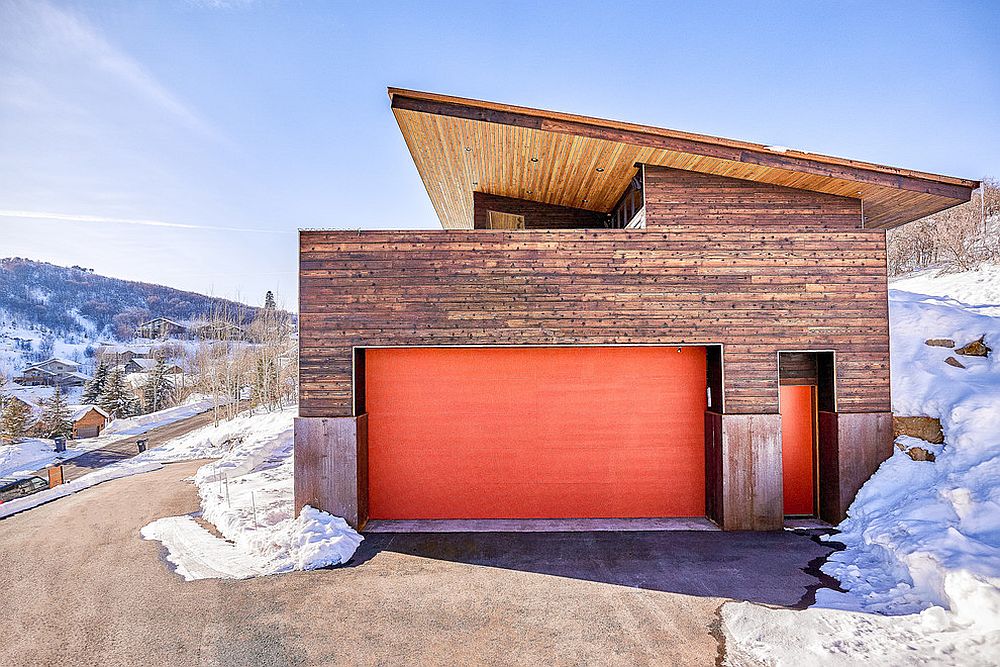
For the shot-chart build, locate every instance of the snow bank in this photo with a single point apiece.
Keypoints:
(195, 404)
(247, 496)
(757, 635)
(977, 288)
(25, 456)
(928, 533)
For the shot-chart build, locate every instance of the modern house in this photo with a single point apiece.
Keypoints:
(122, 354)
(53, 372)
(160, 327)
(220, 330)
(617, 321)
(88, 420)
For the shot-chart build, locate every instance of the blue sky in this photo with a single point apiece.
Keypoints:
(184, 142)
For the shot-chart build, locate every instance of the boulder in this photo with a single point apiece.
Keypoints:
(952, 361)
(976, 348)
(940, 342)
(920, 454)
(925, 428)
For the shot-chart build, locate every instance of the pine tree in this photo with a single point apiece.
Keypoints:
(15, 417)
(56, 419)
(95, 386)
(117, 399)
(158, 390)
(269, 301)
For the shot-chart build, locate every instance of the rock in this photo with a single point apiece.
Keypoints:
(925, 428)
(940, 342)
(976, 348)
(920, 454)
(952, 361)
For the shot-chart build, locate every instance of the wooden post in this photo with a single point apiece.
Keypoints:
(55, 476)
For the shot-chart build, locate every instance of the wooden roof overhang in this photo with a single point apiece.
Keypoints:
(462, 145)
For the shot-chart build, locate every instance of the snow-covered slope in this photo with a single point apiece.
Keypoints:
(923, 537)
(980, 287)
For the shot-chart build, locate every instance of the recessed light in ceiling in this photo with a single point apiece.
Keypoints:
(468, 149)
(600, 169)
(529, 192)
(585, 201)
(475, 182)
(534, 159)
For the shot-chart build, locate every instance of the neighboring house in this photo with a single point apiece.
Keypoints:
(88, 420)
(160, 327)
(118, 354)
(616, 321)
(53, 372)
(221, 331)
(147, 365)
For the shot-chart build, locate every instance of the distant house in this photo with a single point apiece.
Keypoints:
(53, 372)
(221, 331)
(88, 421)
(160, 327)
(119, 354)
(147, 365)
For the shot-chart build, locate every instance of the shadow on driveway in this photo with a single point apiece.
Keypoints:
(776, 568)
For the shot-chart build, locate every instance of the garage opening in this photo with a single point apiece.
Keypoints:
(806, 386)
(535, 432)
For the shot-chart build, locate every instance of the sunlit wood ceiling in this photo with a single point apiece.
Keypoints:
(461, 145)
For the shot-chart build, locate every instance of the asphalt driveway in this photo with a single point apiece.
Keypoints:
(81, 587)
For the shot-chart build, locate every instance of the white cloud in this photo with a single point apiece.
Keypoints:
(79, 217)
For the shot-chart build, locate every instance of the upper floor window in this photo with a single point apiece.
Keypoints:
(500, 220)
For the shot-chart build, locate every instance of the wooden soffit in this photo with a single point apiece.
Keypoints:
(461, 145)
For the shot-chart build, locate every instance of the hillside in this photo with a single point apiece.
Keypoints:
(48, 310)
(75, 300)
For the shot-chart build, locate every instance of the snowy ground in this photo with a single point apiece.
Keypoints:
(921, 565)
(35, 453)
(247, 496)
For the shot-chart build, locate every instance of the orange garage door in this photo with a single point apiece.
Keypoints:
(535, 432)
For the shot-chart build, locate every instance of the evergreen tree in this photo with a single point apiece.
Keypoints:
(158, 390)
(15, 418)
(56, 419)
(117, 398)
(269, 301)
(95, 386)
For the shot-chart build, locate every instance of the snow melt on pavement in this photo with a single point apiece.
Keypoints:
(247, 496)
(922, 538)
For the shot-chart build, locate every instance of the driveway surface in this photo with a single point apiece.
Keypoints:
(81, 587)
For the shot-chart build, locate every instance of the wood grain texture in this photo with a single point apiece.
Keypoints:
(461, 145)
(755, 289)
(751, 472)
(331, 466)
(536, 214)
(851, 448)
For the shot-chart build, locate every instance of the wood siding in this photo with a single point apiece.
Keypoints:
(686, 200)
(756, 292)
(537, 215)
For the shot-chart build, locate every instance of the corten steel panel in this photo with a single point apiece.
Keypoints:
(536, 432)
(797, 425)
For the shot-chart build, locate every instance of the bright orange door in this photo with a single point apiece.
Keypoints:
(535, 432)
(797, 448)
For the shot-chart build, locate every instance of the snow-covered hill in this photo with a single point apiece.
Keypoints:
(48, 310)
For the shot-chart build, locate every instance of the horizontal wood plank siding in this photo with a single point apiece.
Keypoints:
(537, 215)
(756, 291)
(680, 200)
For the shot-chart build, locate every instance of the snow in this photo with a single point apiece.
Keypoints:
(921, 563)
(247, 496)
(195, 404)
(978, 288)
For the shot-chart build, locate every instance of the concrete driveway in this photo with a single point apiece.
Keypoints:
(81, 587)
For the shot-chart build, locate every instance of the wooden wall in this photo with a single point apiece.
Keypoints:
(756, 292)
(686, 200)
(537, 215)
